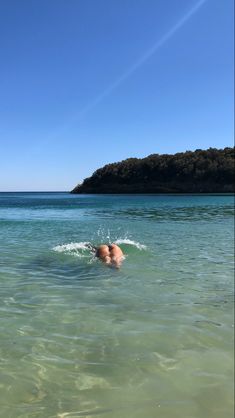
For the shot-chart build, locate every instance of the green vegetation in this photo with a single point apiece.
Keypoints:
(200, 171)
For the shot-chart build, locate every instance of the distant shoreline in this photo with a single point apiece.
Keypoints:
(124, 194)
(190, 172)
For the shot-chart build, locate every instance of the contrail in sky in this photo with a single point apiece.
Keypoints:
(141, 61)
(148, 54)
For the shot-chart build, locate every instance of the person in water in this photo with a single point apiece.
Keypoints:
(110, 254)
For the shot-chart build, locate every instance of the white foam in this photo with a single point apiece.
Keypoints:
(73, 248)
(130, 242)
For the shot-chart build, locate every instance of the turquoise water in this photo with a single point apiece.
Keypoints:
(79, 339)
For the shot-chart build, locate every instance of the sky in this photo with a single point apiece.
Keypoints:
(84, 83)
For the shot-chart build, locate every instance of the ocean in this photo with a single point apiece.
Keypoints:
(151, 339)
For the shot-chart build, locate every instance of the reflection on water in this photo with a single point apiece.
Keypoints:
(154, 338)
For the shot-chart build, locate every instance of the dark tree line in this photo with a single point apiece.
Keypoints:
(200, 171)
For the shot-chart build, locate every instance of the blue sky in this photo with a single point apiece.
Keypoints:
(88, 82)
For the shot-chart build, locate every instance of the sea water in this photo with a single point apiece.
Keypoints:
(80, 339)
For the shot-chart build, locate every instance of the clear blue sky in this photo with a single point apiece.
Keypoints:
(88, 82)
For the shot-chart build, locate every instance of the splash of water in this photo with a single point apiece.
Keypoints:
(128, 241)
(74, 248)
(85, 249)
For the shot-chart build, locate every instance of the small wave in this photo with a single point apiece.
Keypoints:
(130, 242)
(75, 248)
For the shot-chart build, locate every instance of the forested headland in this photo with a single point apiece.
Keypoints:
(200, 171)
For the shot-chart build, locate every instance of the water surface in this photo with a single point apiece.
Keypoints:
(79, 339)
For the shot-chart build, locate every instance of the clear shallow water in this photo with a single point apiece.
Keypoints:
(153, 339)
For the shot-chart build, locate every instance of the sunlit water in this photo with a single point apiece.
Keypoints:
(79, 339)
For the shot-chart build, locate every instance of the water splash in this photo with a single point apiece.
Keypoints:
(104, 236)
(78, 249)
(128, 241)
(86, 249)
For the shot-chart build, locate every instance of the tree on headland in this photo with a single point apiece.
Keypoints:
(200, 171)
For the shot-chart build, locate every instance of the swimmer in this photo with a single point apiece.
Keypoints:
(110, 254)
